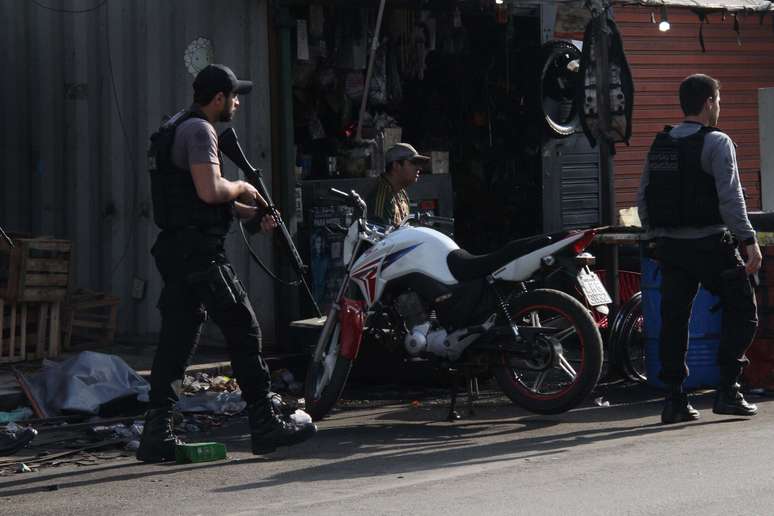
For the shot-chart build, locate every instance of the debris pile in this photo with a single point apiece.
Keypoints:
(204, 382)
(216, 395)
(68, 432)
(15, 437)
(283, 380)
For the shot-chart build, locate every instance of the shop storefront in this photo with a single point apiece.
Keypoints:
(483, 88)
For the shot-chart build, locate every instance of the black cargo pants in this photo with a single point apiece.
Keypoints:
(715, 263)
(199, 282)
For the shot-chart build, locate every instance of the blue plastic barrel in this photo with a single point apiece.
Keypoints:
(703, 332)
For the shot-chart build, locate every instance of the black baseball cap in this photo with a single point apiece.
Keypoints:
(217, 77)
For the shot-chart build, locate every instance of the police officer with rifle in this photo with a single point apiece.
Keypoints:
(690, 199)
(194, 206)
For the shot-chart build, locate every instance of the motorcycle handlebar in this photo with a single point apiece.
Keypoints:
(352, 198)
(429, 218)
(336, 228)
(338, 193)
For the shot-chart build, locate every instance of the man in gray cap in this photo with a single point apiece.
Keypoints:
(194, 205)
(389, 202)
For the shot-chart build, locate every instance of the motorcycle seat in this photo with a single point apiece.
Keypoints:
(465, 266)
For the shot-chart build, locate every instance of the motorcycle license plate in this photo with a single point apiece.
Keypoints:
(595, 292)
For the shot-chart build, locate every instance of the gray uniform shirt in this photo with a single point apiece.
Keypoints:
(196, 143)
(718, 158)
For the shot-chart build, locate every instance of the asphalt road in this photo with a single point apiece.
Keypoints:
(400, 459)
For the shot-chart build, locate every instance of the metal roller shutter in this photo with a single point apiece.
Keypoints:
(660, 60)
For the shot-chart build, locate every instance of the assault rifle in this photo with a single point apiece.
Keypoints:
(229, 146)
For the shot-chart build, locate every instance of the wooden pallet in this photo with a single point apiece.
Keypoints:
(29, 330)
(35, 269)
(91, 316)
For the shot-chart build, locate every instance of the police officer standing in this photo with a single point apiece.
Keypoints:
(691, 201)
(389, 202)
(194, 206)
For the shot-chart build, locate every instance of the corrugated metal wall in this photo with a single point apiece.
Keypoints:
(81, 96)
(660, 60)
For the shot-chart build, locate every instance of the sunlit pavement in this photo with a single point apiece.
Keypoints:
(404, 458)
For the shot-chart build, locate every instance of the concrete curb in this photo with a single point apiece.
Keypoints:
(211, 368)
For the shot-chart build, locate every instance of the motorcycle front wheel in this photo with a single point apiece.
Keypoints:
(565, 362)
(327, 372)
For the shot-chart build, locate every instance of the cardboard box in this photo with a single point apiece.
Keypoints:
(439, 161)
(392, 135)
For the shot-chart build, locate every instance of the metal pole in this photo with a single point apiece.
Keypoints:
(288, 298)
(601, 50)
(369, 71)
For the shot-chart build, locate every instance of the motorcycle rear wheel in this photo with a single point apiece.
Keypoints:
(321, 390)
(554, 386)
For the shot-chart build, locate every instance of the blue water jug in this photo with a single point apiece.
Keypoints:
(703, 332)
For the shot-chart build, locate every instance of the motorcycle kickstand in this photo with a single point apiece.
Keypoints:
(453, 414)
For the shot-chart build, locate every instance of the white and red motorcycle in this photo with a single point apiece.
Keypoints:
(436, 301)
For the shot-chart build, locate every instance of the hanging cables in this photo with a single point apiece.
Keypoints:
(131, 158)
(121, 121)
(263, 265)
(69, 11)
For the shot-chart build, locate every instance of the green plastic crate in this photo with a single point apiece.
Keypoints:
(199, 452)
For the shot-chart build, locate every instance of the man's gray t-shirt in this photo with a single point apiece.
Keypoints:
(196, 143)
(718, 158)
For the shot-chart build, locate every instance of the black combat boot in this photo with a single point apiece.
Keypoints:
(268, 430)
(158, 441)
(728, 400)
(677, 409)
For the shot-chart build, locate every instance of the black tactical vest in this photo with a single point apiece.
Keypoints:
(176, 204)
(679, 192)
